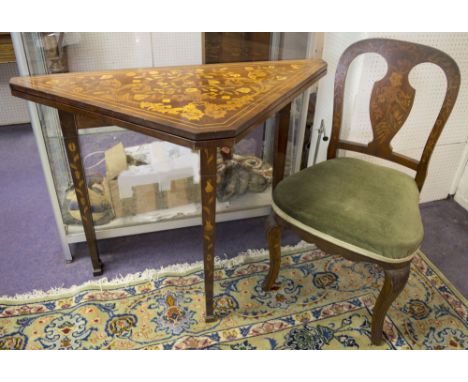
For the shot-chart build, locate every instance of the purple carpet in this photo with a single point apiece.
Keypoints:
(30, 251)
(31, 256)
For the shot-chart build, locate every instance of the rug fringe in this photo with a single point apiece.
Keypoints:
(151, 274)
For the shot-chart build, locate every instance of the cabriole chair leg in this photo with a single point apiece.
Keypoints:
(395, 281)
(273, 233)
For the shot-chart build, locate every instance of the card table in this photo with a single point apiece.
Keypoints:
(203, 107)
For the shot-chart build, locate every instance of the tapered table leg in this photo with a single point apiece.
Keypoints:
(281, 144)
(208, 199)
(273, 229)
(70, 135)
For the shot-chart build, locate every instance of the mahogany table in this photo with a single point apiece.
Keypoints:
(203, 107)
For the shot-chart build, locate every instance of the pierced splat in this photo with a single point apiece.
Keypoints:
(392, 99)
(390, 105)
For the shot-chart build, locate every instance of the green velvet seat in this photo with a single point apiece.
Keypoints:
(371, 207)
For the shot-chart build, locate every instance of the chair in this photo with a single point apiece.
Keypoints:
(360, 210)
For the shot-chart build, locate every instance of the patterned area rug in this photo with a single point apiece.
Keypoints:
(323, 302)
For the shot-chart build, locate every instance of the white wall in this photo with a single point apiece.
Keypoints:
(461, 195)
(13, 110)
(106, 51)
(430, 84)
(181, 48)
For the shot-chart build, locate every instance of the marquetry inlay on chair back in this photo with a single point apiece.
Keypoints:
(392, 99)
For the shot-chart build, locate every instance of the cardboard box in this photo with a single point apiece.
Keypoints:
(146, 197)
(183, 191)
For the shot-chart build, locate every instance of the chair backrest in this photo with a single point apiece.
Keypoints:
(392, 99)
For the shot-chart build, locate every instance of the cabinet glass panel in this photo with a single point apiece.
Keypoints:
(134, 179)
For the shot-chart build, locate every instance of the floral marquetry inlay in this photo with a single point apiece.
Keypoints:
(192, 97)
(392, 99)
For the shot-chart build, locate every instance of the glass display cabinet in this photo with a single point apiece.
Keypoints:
(138, 184)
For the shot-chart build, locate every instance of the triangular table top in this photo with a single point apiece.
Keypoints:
(194, 102)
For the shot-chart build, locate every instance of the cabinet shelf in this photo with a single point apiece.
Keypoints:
(248, 205)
